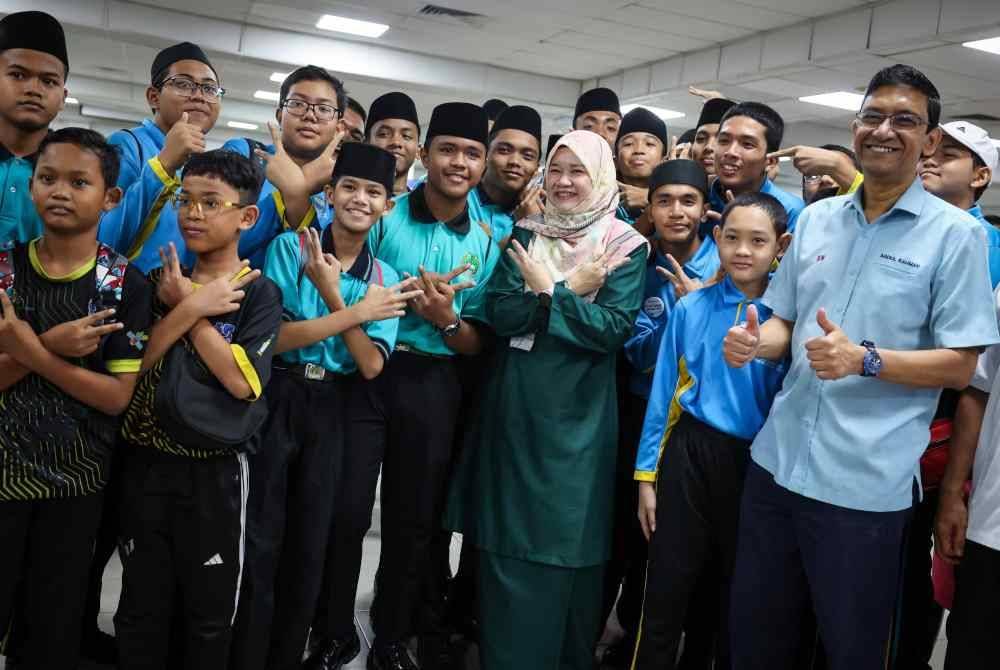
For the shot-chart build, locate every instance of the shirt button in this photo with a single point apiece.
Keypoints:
(13, 189)
(435, 249)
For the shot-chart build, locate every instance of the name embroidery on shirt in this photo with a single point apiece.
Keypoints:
(902, 261)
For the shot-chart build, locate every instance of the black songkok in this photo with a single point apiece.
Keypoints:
(521, 118)
(393, 105)
(494, 108)
(680, 171)
(37, 31)
(458, 119)
(713, 111)
(641, 120)
(176, 53)
(366, 161)
(597, 100)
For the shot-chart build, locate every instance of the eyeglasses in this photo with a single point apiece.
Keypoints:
(900, 121)
(322, 111)
(187, 87)
(207, 207)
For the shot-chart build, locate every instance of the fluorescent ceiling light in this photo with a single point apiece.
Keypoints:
(102, 113)
(991, 45)
(72, 101)
(658, 111)
(242, 125)
(273, 96)
(838, 99)
(279, 77)
(351, 26)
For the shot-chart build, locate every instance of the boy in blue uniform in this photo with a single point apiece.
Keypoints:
(749, 131)
(34, 64)
(428, 234)
(678, 204)
(339, 329)
(299, 161)
(695, 443)
(62, 389)
(640, 147)
(185, 97)
(183, 525)
(512, 160)
(393, 125)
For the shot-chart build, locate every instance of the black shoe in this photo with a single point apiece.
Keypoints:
(393, 656)
(332, 654)
(436, 652)
(619, 654)
(99, 647)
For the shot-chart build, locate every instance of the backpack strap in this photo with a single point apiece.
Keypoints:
(7, 265)
(109, 278)
(138, 147)
(253, 146)
(377, 271)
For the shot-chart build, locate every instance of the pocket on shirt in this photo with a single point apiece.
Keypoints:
(901, 294)
(897, 269)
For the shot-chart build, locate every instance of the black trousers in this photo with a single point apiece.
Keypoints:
(182, 544)
(294, 483)
(407, 427)
(47, 547)
(697, 515)
(972, 626)
(104, 547)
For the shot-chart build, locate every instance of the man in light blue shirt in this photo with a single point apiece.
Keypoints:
(882, 300)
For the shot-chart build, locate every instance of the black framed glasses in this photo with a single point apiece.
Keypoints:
(322, 111)
(901, 121)
(187, 87)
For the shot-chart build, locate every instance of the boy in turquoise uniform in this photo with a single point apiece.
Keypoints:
(695, 443)
(393, 125)
(185, 97)
(34, 63)
(748, 132)
(640, 147)
(299, 160)
(341, 309)
(511, 162)
(428, 234)
(62, 390)
(678, 204)
(184, 500)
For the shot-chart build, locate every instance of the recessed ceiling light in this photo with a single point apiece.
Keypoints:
(279, 77)
(991, 45)
(72, 101)
(273, 96)
(341, 24)
(838, 99)
(242, 125)
(658, 111)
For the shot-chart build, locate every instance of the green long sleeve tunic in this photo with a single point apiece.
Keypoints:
(536, 480)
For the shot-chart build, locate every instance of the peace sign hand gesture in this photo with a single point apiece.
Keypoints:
(682, 283)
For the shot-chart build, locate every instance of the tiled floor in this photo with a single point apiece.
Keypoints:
(112, 588)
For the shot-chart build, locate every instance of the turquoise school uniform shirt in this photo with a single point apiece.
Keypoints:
(135, 146)
(916, 278)
(793, 204)
(993, 244)
(301, 300)
(19, 220)
(272, 220)
(643, 347)
(409, 236)
(692, 376)
(496, 220)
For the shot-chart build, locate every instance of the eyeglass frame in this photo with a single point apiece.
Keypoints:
(892, 119)
(226, 205)
(310, 106)
(181, 77)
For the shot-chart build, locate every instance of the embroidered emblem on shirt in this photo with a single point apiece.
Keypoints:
(137, 339)
(654, 307)
(226, 330)
(472, 261)
(821, 257)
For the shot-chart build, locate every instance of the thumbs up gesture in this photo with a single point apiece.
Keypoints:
(740, 345)
(183, 139)
(832, 355)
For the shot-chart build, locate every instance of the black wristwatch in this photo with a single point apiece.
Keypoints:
(873, 362)
(451, 329)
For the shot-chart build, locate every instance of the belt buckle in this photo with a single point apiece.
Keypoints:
(315, 372)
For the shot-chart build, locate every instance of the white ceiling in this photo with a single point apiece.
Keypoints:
(544, 52)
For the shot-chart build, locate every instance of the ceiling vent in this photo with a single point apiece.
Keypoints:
(436, 10)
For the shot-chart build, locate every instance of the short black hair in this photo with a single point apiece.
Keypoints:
(231, 168)
(766, 203)
(774, 125)
(977, 163)
(907, 75)
(358, 109)
(313, 73)
(88, 140)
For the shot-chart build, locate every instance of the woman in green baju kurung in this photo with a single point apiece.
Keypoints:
(535, 489)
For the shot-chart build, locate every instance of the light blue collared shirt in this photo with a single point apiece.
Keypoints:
(916, 278)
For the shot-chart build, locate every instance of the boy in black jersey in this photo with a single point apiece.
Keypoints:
(184, 504)
(74, 320)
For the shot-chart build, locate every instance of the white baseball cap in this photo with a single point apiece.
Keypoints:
(975, 139)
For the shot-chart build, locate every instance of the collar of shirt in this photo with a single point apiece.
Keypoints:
(910, 204)
(6, 154)
(697, 266)
(422, 213)
(363, 264)
(154, 131)
(731, 295)
(977, 212)
(486, 201)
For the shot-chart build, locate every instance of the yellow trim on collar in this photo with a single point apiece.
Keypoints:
(72, 276)
(248, 370)
(124, 366)
(859, 179)
(279, 206)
